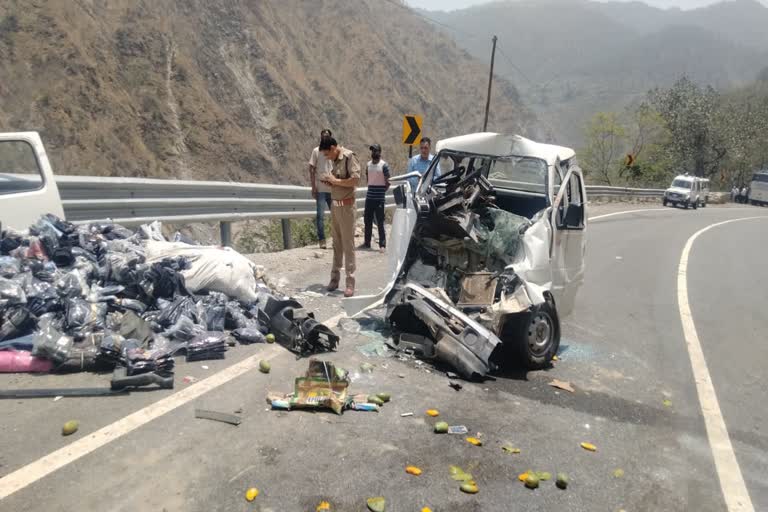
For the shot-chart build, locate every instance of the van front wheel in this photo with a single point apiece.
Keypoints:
(532, 339)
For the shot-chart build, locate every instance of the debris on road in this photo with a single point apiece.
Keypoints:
(377, 504)
(223, 417)
(406, 414)
(456, 386)
(70, 427)
(589, 447)
(366, 367)
(510, 449)
(324, 386)
(251, 494)
(561, 384)
(458, 429)
(99, 296)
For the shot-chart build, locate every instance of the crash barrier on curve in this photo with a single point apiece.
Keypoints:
(135, 201)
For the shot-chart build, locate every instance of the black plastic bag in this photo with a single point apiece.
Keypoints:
(183, 306)
(9, 266)
(16, 321)
(208, 345)
(183, 329)
(51, 343)
(247, 335)
(82, 316)
(12, 292)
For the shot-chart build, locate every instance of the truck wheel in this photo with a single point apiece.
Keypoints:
(686, 205)
(532, 339)
(695, 205)
(664, 202)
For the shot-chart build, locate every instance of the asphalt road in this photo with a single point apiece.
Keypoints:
(623, 350)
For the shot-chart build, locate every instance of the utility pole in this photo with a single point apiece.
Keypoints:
(490, 81)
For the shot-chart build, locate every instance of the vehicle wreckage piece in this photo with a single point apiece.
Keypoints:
(297, 330)
(459, 341)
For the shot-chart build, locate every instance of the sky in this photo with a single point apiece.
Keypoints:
(448, 5)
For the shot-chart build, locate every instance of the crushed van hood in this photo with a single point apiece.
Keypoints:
(459, 267)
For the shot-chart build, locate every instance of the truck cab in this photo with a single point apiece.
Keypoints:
(27, 186)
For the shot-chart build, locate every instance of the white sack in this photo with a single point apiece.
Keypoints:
(216, 269)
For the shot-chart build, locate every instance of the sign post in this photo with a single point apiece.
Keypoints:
(412, 131)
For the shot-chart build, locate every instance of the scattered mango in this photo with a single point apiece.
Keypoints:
(441, 427)
(523, 476)
(323, 506)
(377, 504)
(384, 396)
(618, 473)
(589, 446)
(474, 441)
(251, 494)
(543, 475)
(426, 509)
(459, 475)
(562, 481)
(270, 338)
(510, 449)
(373, 399)
(264, 366)
(469, 487)
(532, 481)
(413, 470)
(70, 427)
(433, 412)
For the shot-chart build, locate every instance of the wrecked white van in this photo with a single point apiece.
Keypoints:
(486, 257)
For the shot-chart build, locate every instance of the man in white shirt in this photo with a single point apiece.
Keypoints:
(319, 168)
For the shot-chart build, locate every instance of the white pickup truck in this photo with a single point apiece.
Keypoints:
(27, 186)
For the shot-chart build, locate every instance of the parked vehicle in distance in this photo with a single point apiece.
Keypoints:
(685, 191)
(704, 193)
(758, 188)
(27, 186)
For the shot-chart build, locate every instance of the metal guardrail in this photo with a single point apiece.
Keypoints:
(133, 201)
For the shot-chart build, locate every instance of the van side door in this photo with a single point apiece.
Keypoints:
(569, 222)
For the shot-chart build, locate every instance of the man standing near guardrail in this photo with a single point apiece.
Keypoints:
(377, 175)
(343, 178)
(420, 163)
(321, 193)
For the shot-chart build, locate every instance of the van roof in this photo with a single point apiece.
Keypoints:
(497, 144)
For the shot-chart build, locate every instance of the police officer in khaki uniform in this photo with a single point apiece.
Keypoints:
(344, 176)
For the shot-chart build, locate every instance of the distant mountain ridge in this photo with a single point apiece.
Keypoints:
(575, 57)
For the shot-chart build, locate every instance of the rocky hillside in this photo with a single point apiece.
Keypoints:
(231, 89)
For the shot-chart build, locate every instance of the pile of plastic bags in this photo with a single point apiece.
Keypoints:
(92, 297)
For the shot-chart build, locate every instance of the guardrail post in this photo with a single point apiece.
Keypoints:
(225, 227)
(287, 242)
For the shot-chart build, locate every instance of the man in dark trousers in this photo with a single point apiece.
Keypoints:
(377, 174)
(343, 178)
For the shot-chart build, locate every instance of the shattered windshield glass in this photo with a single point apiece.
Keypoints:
(681, 184)
(520, 173)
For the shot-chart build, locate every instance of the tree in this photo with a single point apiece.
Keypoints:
(690, 113)
(648, 138)
(602, 157)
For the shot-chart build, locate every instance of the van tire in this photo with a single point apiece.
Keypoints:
(686, 205)
(664, 201)
(695, 205)
(532, 339)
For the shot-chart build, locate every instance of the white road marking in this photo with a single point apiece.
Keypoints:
(728, 470)
(628, 211)
(46, 465)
